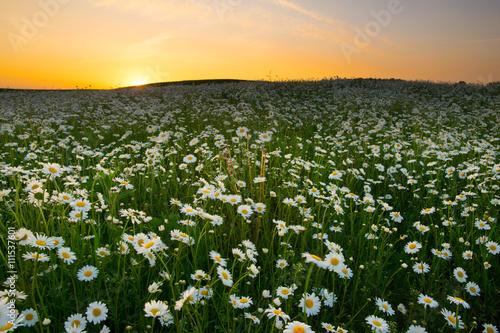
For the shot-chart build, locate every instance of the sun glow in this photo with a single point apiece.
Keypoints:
(139, 82)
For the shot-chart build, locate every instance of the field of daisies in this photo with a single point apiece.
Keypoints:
(306, 206)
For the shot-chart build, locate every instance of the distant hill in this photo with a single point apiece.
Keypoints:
(186, 82)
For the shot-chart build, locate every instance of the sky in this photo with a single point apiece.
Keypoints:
(101, 44)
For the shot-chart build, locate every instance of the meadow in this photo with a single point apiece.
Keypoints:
(297, 206)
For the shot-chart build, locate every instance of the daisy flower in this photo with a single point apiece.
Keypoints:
(472, 288)
(310, 304)
(29, 316)
(402, 308)
(458, 301)
(489, 328)
(413, 247)
(225, 276)
(281, 263)
(75, 330)
(421, 268)
(245, 210)
(427, 301)
(259, 207)
(345, 273)
(216, 257)
(189, 159)
(460, 274)
(416, 329)
(467, 255)
(77, 320)
(384, 307)
(452, 320)
(155, 309)
(3, 193)
(396, 217)
(377, 324)
(273, 312)
(427, 211)
(40, 241)
(284, 292)
(66, 255)
(328, 327)
(52, 169)
(492, 247)
(252, 318)
(36, 256)
(297, 326)
(314, 259)
(87, 273)
(80, 205)
(102, 252)
(96, 312)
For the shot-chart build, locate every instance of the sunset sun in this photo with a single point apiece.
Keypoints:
(139, 82)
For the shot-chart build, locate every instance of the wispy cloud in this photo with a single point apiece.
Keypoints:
(299, 9)
(161, 10)
(484, 40)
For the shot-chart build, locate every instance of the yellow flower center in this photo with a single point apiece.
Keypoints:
(96, 312)
(277, 312)
(29, 316)
(298, 329)
(191, 298)
(204, 292)
(40, 242)
(148, 245)
(345, 271)
(140, 242)
(334, 261)
(75, 323)
(52, 170)
(412, 246)
(460, 274)
(309, 303)
(452, 319)
(218, 259)
(490, 330)
(285, 291)
(473, 289)
(88, 273)
(224, 274)
(102, 253)
(244, 300)
(385, 307)
(377, 323)
(80, 204)
(427, 300)
(493, 247)
(244, 211)
(183, 235)
(66, 255)
(316, 257)
(154, 312)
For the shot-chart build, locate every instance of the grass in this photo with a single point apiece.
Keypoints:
(251, 207)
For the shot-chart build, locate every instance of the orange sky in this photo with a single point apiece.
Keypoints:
(111, 43)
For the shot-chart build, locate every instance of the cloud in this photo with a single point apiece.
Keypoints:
(484, 40)
(161, 10)
(299, 9)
